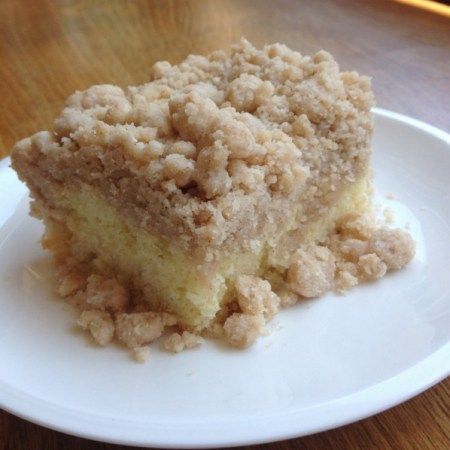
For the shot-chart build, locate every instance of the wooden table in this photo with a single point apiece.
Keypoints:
(50, 48)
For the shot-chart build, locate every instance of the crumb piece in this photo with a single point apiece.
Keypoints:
(351, 248)
(169, 319)
(360, 226)
(287, 298)
(211, 175)
(179, 168)
(242, 330)
(214, 331)
(345, 280)
(255, 296)
(141, 354)
(371, 267)
(176, 342)
(137, 329)
(391, 196)
(78, 300)
(191, 340)
(311, 272)
(388, 215)
(66, 265)
(394, 246)
(347, 266)
(71, 283)
(247, 92)
(100, 325)
(106, 294)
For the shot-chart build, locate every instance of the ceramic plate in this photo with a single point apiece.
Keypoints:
(326, 363)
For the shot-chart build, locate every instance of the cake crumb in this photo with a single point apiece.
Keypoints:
(177, 342)
(255, 296)
(352, 249)
(141, 354)
(71, 283)
(137, 329)
(360, 226)
(287, 297)
(371, 267)
(391, 196)
(311, 272)
(394, 246)
(345, 280)
(242, 330)
(214, 331)
(106, 294)
(99, 323)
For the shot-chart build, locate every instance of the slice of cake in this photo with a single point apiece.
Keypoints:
(200, 198)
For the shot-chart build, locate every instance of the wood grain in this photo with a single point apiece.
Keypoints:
(50, 48)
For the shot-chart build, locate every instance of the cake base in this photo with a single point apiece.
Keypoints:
(132, 284)
(94, 234)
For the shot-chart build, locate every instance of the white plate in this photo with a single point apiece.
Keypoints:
(330, 362)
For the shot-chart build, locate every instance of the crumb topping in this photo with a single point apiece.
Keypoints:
(345, 280)
(99, 323)
(359, 226)
(242, 330)
(371, 267)
(213, 141)
(287, 297)
(138, 329)
(395, 247)
(71, 283)
(177, 342)
(311, 272)
(255, 296)
(106, 294)
(141, 354)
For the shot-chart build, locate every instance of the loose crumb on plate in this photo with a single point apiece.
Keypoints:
(177, 342)
(99, 323)
(242, 330)
(141, 354)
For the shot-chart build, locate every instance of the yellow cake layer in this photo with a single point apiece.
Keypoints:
(169, 277)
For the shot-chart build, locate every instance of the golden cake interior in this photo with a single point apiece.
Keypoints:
(170, 277)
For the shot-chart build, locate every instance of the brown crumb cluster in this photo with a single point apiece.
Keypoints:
(212, 142)
(257, 304)
(366, 252)
(106, 312)
(311, 272)
(177, 342)
(357, 252)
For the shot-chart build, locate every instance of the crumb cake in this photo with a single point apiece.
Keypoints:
(227, 186)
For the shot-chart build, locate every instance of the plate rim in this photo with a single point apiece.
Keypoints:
(350, 408)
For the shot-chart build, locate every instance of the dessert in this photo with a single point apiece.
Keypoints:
(203, 200)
